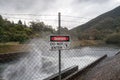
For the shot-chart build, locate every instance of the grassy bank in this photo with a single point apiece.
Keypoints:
(12, 47)
(87, 43)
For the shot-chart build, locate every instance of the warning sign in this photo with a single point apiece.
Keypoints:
(59, 42)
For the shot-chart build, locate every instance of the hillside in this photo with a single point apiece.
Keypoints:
(109, 20)
(100, 27)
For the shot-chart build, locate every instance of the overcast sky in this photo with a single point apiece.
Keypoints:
(81, 10)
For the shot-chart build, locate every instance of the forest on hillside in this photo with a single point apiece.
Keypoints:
(105, 27)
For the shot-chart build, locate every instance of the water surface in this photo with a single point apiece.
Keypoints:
(40, 64)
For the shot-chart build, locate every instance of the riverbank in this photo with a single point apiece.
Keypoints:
(12, 51)
(12, 47)
(83, 43)
(11, 56)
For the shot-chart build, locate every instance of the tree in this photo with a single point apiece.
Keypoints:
(63, 30)
(19, 32)
(1, 21)
(19, 22)
(39, 27)
(113, 39)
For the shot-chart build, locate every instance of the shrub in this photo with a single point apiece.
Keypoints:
(113, 39)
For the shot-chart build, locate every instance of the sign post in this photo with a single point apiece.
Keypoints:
(59, 42)
(59, 25)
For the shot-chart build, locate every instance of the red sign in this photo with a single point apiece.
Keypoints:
(59, 38)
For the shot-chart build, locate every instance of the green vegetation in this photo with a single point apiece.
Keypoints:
(12, 35)
(104, 27)
(7, 48)
(87, 43)
(113, 39)
(38, 28)
(10, 47)
(19, 32)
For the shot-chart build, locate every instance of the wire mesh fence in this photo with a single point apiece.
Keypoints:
(34, 60)
(40, 62)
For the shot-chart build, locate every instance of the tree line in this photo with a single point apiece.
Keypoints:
(19, 32)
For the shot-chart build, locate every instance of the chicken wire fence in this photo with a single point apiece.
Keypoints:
(40, 62)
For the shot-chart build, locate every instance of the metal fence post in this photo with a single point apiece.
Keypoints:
(59, 27)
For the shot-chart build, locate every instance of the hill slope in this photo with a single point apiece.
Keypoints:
(101, 26)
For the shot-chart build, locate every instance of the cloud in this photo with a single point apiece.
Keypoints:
(94, 1)
(87, 9)
(26, 5)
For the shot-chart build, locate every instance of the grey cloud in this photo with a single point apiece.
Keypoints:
(81, 8)
(93, 1)
(26, 4)
(15, 4)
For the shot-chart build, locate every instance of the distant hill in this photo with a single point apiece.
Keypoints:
(100, 27)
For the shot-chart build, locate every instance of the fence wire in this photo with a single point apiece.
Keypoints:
(40, 62)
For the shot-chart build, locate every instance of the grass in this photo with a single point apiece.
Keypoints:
(16, 47)
(87, 43)
(11, 47)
